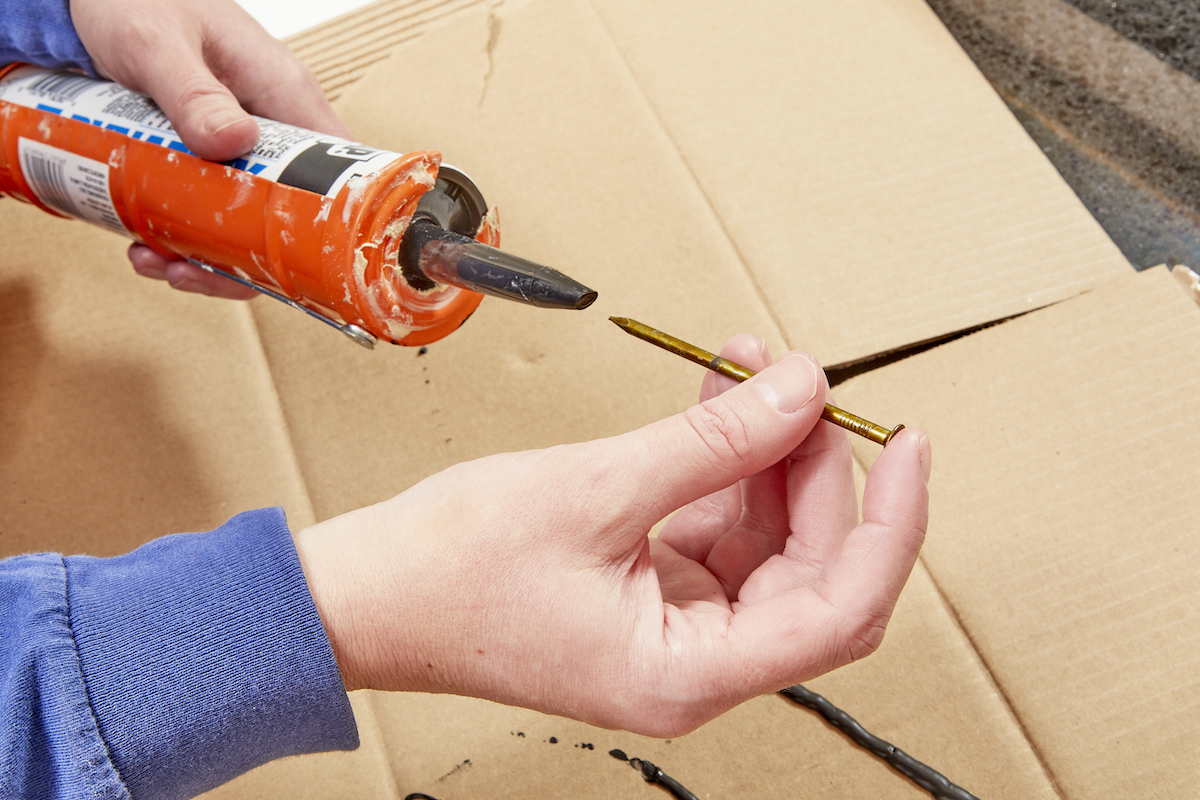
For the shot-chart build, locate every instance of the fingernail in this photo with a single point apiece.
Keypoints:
(787, 387)
(191, 285)
(760, 344)
(926, 455)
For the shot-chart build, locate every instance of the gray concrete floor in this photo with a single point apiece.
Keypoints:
(1111, 93)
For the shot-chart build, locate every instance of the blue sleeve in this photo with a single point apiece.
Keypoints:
(166, 671)
(40, 32)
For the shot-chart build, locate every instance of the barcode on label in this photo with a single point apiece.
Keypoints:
(67, 182)
(60, 88)
(49, 181)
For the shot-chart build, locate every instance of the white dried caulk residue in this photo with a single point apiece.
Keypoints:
(397, 329)
(427, 178)
(171, 157)
(219, 218)
(383, 300)
(323, 214)
(44, 130)
(267, 278)
(244, 189)
(355, 188)
(489, 228)
(287, 238)
(396, 229)
(285, 217)
(114, 158)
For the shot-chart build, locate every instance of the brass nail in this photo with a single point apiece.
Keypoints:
(851, 422)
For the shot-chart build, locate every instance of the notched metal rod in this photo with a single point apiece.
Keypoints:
(844, 419)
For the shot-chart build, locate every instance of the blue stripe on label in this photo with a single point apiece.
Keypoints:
(180, 147)
(239, 163)
(154, 139)
(80, 117)
(117, 128)
(51, 109)
(257, 168)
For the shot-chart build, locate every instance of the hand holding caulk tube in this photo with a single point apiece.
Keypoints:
(379, 244)
(209, 65)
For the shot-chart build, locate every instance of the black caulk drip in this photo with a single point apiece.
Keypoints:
(922, 775)
(652, 774)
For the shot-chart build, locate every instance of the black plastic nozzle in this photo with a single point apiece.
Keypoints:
(430, 254)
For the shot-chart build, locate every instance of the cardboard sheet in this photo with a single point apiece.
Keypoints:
(870, 182)
(129, 410)
(1065, 532)
(635, 161)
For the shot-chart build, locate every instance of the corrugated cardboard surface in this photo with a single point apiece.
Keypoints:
(1066, 536)
(122, 416)
(837, 178)
(871, 184)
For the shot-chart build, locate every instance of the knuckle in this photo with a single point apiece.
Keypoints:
(200, 89)
(723, 434)
(864, 636)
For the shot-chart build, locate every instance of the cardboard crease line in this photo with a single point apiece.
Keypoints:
(720, 223)
(1047, 771)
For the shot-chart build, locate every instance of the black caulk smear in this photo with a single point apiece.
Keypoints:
(652, 774)
(922, 775)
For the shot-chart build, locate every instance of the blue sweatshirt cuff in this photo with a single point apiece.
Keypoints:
(203, 657)
(41, 32)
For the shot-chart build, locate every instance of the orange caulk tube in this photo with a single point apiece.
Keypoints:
(312, 220)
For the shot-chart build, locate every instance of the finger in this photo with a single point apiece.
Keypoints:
(147, 263)
(745, 349)
(715, 444)
(760, 533)
(695, 529)
(204, 112)
(268, 79)
(187, 277)
(878, 555)
(822, 498)
(800, 633)
(684, 583)
(184, 276)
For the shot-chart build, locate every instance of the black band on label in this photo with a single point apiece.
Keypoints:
(319, 167)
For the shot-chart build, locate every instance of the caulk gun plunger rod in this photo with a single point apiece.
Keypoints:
(443, 256)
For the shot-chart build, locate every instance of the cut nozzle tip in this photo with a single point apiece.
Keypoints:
(434, 254)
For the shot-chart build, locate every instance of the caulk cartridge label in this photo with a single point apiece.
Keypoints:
(284, 153)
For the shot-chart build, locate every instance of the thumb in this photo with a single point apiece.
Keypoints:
(731, 436)
(205, 113)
